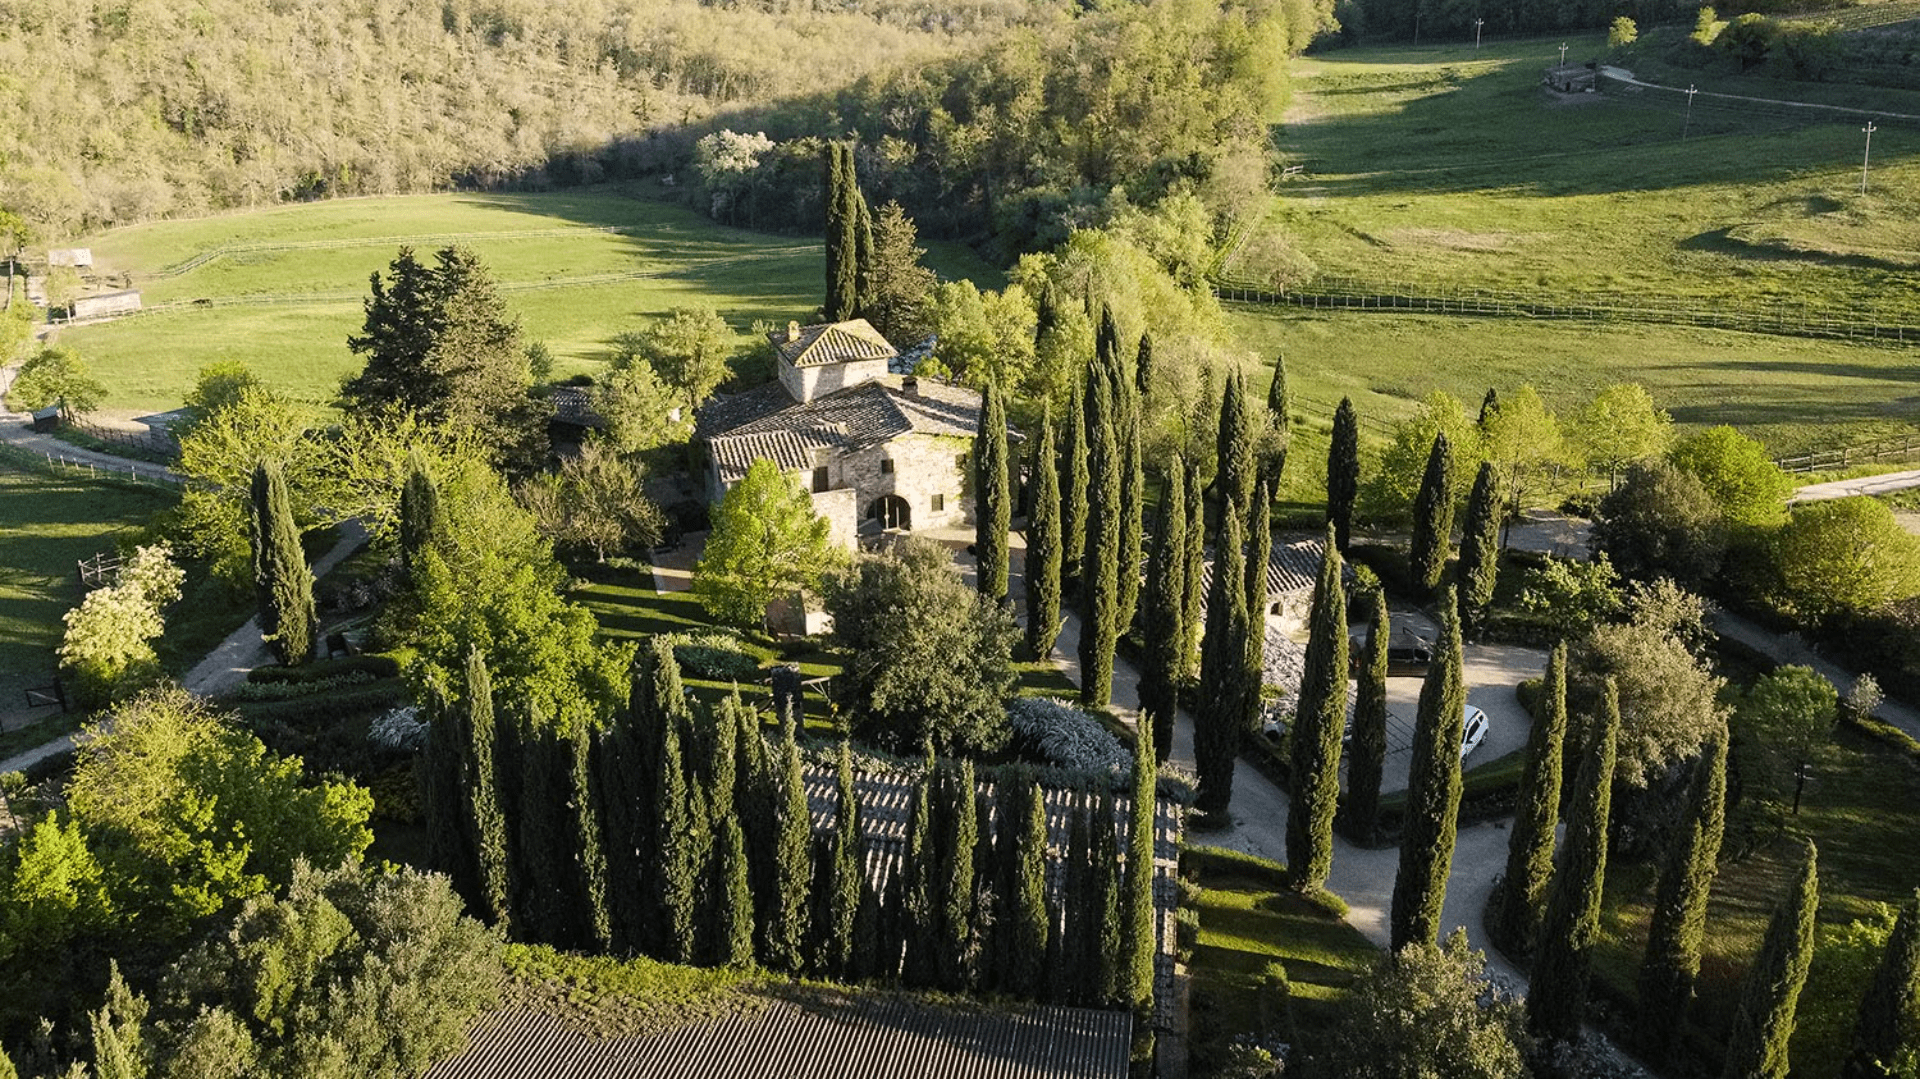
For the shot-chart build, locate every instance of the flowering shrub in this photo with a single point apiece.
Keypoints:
(1067, 736)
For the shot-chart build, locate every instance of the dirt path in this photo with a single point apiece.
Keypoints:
(1624, 76)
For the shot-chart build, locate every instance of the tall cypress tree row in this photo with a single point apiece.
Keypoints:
(919, 910)
(1254, 649)
(1165, 650)
(549, 899)
(1234, 476)
(1433, 793)
(1193, 577)
(1074, 965)
(589, 852)
(1108, 944)
(843, 235)
(1100, 570)
(288, 623)
(723, 755)
(676, 875)
(627, 764)
(1343, 472)
(1318, 724)
(449, 838)
(1043, 547)
(1433, 519)
(793, 862)
(1217, 720)
(487, 822)
(1679, 926)
(993, 499)
(732, 937)
(422, 518)
(1522, 892)
(1369, 759)
(1480, 548)
(1557, 991)
(1886, 1036)
(1028, 894)
(1073, 484)
(1133, 482)
(957, 886)
(1138, 942)
(1279, 435)
(1764, 1020)
(843, 889)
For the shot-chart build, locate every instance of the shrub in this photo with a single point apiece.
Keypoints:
(1067, 736)
(1571, 595)
(399, 729)
(717, 656)
(289, 689)
(326, 709)
(378, 665)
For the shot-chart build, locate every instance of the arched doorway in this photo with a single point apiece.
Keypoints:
(892, 512)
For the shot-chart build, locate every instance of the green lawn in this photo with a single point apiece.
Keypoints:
(573, 284)
(49, 521)
(1863, 810)
(1248, 921)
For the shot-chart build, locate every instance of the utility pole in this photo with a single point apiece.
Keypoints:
(1684, 127)
(1563, 54)
(1476, 34)
(1866, 154)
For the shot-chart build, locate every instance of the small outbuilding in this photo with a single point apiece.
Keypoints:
(101, 304)
(77, 258)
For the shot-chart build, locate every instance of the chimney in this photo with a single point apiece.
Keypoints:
(910, 386)
(793, 330)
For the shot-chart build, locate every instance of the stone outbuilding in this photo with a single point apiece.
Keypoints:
(880, 452)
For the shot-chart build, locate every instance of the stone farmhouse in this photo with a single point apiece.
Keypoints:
(880, 452)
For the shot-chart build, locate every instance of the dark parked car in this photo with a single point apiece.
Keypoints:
(1407, 652)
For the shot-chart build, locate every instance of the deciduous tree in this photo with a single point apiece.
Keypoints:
(1735, 469)
(766, 542)
(56, 375)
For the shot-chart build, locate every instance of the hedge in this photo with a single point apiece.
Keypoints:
(326, 709)
(378, 665)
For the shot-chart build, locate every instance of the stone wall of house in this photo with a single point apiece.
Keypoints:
(841, 508)
(923, 466)
(806, 383)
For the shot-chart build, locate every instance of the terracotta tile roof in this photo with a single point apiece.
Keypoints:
(831, 343)
(1293, 568)
(724, 412)
(861, 416)
(574, 405)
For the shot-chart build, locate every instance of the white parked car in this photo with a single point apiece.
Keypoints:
(1475, 732)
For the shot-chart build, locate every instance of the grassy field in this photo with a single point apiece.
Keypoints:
(577, 267)
(1863, 810)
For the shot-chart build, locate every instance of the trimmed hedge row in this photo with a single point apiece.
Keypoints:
(325, 708)
(378, 665)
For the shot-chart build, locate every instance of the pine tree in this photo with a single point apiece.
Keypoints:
(1235, 446)
(1369, 722)
(1108, 970)
(843, 235)
(1100, 570)
(1253, 649)
(589, 852)
(1678, 930)
(843, 888)
(1886, 1037)
(1193, 577)
(1433, 519)
(120, 1047)
(1343, 472)
(402, 323)
(1433, 793)
(1073, 484)
(1043, 547)
(1557, 991)
(1480, 548)
(288, 623)
(1164, 660)
(1279, 434)
(1027, 901)
(733, 923)
(675, 880)
(422, 519)
(787, 936)
(1318, 724)
(993, 500)
(1522, 893)
(1217, 720)
(957, 886)
(1764, 1020)
(1138, 941)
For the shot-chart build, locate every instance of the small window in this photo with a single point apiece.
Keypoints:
(939, 503)
(820, 479)
(886, 465)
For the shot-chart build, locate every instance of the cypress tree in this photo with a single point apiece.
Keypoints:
(1886, 1037)
(843, 239)
(1672, 961)
(993, 500)
(1557, 992)
(1522, 893)
(449, 835)
(733, 922)
(1193, 577)
(675, 881)
(1433, 519)
(1433, 793)
(422, 518)
(919, 915)
(1480, 548)
(1027, 901)
(1138, 942)
(793, 862)
(1143, 368)
(1764, 1020)
(1254, 648)
(1369, 722)
(1343, 472)
(1217, 721)
(288, 623)
(1100, 570)
(1279, 423)
(867, 930)
(1043, 547)
(1164, 661)
(1488, 406)
(1318, 724)
(957, 888)
(1133, 509)
(1079, 906)
(589, 852)
(548, 888)
(723, 755)
(1108, 943)
(863, 256)
(626, 769)
(843, 888)
(1234, 477)
(486, 821)
(1073, 485)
